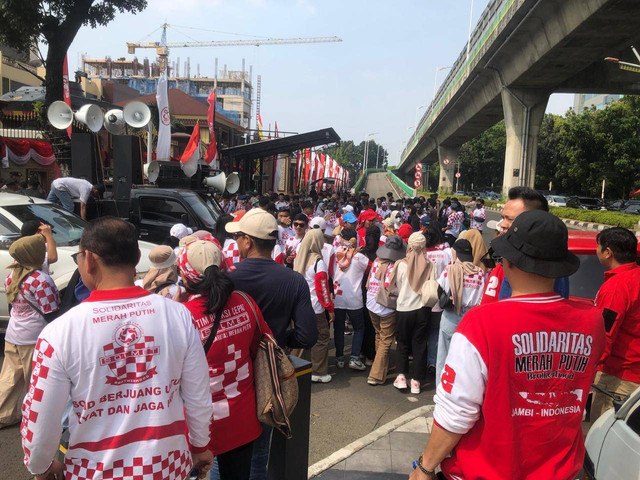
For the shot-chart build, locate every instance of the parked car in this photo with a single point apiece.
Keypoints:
(67, 229)
(634, 209)
(620, 205)
(557, 201)
(584, 203)
(613, 443)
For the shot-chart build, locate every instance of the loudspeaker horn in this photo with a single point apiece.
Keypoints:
(137, 114)
(233, 182)
(114, 121)
(60, 115)
(152, 171)
(91, 115)
(218, 183)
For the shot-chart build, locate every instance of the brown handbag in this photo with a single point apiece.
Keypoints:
(275, 382)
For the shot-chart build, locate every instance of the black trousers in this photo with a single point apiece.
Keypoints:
(369, 341)
(412, 333)
(236, 464)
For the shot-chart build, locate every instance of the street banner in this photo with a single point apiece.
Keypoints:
(259, 126)
(163, 149)
(66, 93)
(307, 167)
(191, 155)
(211, 157)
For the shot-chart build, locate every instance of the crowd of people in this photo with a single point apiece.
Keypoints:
(154, 376)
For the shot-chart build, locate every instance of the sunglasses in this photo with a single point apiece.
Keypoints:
(236, 236)
(74, 256)
(299, 224)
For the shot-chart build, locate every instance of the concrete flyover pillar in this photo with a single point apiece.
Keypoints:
(448, 157)
(523, 113)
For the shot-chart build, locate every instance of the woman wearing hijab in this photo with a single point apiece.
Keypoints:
(237, 323)
(409, 274)
(371, 244)
(162, 277)
(34, 300)
(348, 270)
(383, 315)
(463, 284)
(477, 245)
(439, 254)
(312, 267)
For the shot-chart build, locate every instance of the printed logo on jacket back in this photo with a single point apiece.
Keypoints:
(129, 355)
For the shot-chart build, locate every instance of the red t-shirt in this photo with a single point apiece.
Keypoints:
(619, 300)
(515, 385)
(494, 283)
(230, 359)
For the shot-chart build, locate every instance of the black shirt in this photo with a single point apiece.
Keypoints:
(282, 295)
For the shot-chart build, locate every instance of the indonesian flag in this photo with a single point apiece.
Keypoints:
(259, 126)
(321, 161)
(66, 93)
(307, 166)
(191, 155)
(212, 149)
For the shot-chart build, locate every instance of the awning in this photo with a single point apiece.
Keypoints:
(276, 146)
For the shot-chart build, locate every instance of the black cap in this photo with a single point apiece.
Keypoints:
(537, 242)
(393, 249)
(463, 250)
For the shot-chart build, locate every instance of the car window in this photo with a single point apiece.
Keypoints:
(634, 420)
(66, 227)
(6, 227)
(159, 209)
(202, 210)
(586, 282)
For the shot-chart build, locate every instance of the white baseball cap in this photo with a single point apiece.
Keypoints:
(318, 222)
(179, 231)
(347, 208)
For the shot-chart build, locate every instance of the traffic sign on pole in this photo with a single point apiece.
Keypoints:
(446, 161)
(458, 175)
(417, 184)
(418, 175)
(419, 167)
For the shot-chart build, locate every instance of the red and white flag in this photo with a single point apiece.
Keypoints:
(212, 149)
(191, 156)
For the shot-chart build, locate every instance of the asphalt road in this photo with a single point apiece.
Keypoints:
(378, 186)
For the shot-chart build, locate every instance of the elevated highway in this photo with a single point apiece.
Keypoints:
(521, 52)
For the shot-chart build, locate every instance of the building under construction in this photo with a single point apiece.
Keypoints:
(234, 91)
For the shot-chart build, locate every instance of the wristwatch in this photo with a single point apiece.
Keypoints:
(424, 470)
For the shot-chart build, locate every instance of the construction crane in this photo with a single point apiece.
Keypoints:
(162, 47)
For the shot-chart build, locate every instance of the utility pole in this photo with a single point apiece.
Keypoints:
(426, 186)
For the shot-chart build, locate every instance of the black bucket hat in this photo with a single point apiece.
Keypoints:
(393, 249)
(463, 250)
(537, 242)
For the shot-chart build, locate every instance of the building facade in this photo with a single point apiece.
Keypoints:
(581, 101)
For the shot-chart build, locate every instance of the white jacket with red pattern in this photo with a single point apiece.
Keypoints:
(133, 366)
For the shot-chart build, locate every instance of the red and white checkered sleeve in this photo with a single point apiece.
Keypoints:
(40, 289)
(195, 390)
(43, 407)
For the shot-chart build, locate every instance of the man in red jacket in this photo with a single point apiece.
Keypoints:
(518, 372)
(619, 300)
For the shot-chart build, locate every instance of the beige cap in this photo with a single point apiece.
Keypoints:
(256, 223)
(388, 222)
(187, 239)
(162, 257)
(202, 254)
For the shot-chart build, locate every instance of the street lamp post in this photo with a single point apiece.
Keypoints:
(418, 109)
(435, 80)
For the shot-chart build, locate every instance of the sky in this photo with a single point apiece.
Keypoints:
(372, 82)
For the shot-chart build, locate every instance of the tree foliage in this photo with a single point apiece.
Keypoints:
(351, 156)
(25, 23)
(575, 152)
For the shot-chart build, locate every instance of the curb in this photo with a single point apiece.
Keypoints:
(342, 454)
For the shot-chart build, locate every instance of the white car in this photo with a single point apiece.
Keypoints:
(67, 229)
(557, 201)
(613, 443)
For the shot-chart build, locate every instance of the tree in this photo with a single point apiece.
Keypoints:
(482, 158)
(56, 23)
(351, 156)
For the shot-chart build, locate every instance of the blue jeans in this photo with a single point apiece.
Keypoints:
(61, 197)
(432, 339)
(448, 324)
(260, 455)
(357, 321)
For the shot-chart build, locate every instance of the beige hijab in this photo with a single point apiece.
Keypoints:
(456, 273)
(477, 244)
(310, 250)
(28, 253)
(418, 267)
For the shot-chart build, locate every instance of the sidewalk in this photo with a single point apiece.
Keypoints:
(386, 453)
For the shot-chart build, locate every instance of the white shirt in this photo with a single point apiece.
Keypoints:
(440, 257)
(133, 364)
(76, 187)
(347, 285)
(284, 233)
(25, 322)
(480, 213)
(311, 277)
(454, 223)
(332, 223)
(291, 245)
(408, 299)
(374, 287)
(472, 288)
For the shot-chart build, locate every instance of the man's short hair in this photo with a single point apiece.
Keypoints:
(263, 201)
(306, 204)
(114, 240)
(622, 242)
(480, 200)
(301, 217)
(532, 199)
(264, 245)
(285, 210)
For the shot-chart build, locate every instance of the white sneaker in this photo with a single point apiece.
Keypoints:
(415, 387)
(340, 362)
(321, 378)
(400, 382)
(373, 381)
(356, 364)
